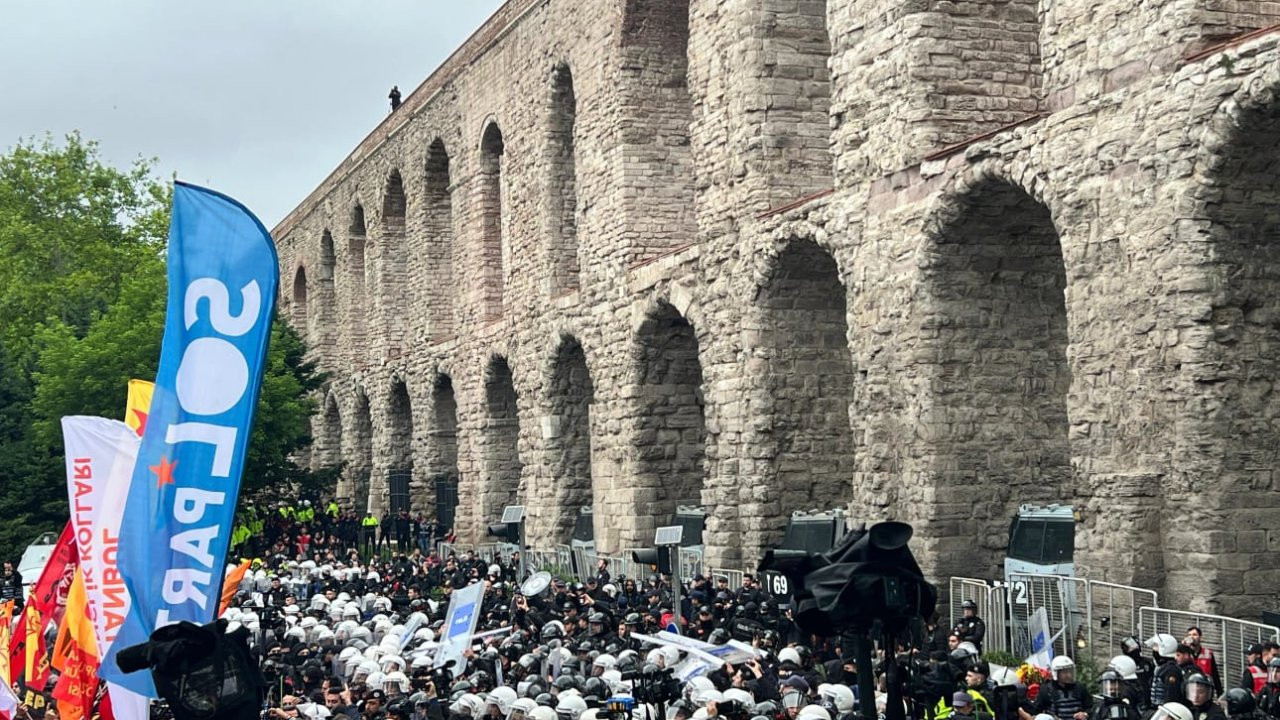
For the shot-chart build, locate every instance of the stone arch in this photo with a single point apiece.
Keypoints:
(567, 433)
(394, 263)
(357, 317)
(300, 301)
(670, 431)
(327, 448)
(326, 293)
(442, 451)
(562, 182)
(804, 388)
(656, 114)
(500, 452)
(493, 247)
(995, 320)
(359, 448)
(1221, 496)
(400, 445)
(440, 240)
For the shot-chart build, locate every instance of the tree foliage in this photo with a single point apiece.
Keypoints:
(82, 304)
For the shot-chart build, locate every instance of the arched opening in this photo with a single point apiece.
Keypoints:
(1223, 496)
(568, 435)
(327, 448)
(807, 387)
(300, 301)
(400, 447)
(671, 436)
(326, 294)
(997, 323)
(442, 452)
(356, 280)
(360, 444)
(562, 194)
(439, 226)
(492, 248)
(654, 118)
(391, 278)
(501, 442)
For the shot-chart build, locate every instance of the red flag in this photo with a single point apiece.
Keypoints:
(46, 604)
(8, 702)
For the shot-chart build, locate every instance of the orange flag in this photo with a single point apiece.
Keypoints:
(75, 654)
(231, 584)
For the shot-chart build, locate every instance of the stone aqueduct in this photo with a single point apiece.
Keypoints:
(924, 258)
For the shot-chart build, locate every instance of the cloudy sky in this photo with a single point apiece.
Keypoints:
(259, 99)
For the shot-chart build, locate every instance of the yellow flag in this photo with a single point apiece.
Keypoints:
(6, 620)
(139, 405)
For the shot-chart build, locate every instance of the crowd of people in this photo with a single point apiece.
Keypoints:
(338, 632)
(345, 622)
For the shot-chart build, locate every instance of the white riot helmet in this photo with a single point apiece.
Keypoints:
(376, 679)
(521, 709)
(742, 697)
(603, 662)
(395, 683)
(1063, 669)
(697, 685)
(789, 654)
(838, 699)
(391, 663)
(613, 678)
(1125, 666)
(469, 705)
(813, 712)
(1172, 711)
(425, 635)
(502, 697)
(1164, 644)
(542, 712)
(569, 707)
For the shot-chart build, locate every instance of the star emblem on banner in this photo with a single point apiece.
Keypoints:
(163, 471)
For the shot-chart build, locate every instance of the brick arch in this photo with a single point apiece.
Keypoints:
(356, 280)
(801, 386)
(993, 316)
(400, 454)
(327, 447)
(390, 292)
(1220, 496)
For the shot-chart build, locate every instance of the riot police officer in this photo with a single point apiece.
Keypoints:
(1241, 705)
(1064, 698)
(1166, 682)
(1115, 704)
(970, 628)
(1198, 691)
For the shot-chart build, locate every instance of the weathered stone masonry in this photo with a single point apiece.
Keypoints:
(927, 259)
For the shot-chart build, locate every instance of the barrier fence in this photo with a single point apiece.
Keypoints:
(1227, 637)
(1086, 617)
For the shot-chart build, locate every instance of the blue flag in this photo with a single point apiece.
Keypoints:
(178, 518)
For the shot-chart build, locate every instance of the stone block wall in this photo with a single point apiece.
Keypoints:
(985, 253)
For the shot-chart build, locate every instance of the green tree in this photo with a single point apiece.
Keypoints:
(67, 217)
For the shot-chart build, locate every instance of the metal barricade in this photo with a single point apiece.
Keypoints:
(1113, 616)
(734, 577)
(1226, 637)
(690, 562)
(1064, 601)
(991, 608)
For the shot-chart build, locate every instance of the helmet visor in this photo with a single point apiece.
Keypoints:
(794, 700)
(1199, 693)
(1066, 676)
(1110, 688)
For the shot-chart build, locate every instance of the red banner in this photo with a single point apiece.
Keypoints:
(47, 603)
(77, 688)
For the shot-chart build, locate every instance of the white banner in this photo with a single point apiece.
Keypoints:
(460, 624)
(100, 457)
(1041, 639)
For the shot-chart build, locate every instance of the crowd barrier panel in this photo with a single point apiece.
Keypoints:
(992, 608)
(1226, 637)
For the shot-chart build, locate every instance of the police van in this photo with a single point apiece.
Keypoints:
(34, 559)
(1041, 541)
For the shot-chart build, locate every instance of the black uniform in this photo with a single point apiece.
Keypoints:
(1269, 700)
(971, 629)
(1063, 701)
(1115, 709)
(1209, 711)
(1166, 684)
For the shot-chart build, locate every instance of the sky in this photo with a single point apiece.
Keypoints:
(259, 99)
